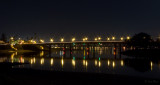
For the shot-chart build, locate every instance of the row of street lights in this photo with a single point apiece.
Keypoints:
(74, 39)
(96, 39)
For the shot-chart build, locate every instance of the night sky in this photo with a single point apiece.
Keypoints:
(79, 18)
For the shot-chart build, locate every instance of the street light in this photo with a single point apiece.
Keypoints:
(73, 39)
(95, 39)
(62, 39)
(84, 39)
(41, 41)
(51, 40)
(128, 37)
(121, 38)
(113, 38)
(99, 38)
(108, 38)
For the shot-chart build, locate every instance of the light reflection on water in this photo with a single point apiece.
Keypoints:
(102, 60)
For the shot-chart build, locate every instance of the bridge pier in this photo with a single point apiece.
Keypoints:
(115, 50)
(71, 48)
(64, 50)
(50, 51)
(88, 50)
(93, 50)
(120, 48)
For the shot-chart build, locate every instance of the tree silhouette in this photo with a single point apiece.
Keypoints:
(141, 40)
(3, 37)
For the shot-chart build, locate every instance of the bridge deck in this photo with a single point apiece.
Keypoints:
(79, 42)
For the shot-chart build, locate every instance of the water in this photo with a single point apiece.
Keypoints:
(101, 60)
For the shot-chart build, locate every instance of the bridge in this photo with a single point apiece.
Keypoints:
(78, 44)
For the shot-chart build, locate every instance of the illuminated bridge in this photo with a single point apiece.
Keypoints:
(84, 43)
(78, 44)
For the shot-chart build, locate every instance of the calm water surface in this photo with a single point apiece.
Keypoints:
(101, 60)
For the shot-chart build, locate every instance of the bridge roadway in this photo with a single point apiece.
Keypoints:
(79, 42)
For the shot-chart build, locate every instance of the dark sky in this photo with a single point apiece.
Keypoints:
(63, 17)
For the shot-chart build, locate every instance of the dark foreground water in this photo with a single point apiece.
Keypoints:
(101, 60)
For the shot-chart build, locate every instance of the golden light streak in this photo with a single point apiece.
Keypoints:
(42, 61)
(151, 65)
(95, 62)
(99, 63)
(122, 63)
(12, 57)
(51, 61)
(34, 60)
(41, 53)
(31, 61)
(62, 62)
(73, 62)
(108, 62)
(84, 62)
(113, 64)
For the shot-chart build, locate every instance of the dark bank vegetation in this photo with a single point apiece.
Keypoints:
(143, 45)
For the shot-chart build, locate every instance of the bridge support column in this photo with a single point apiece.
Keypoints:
(70, 49)
(93, 50)
(49, 50)
(64, 50)
(88, 50)
(115, 50)
(120, 49)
